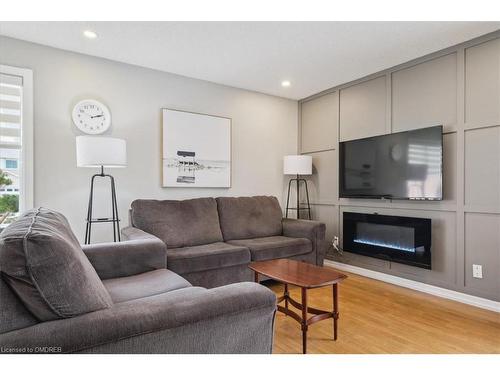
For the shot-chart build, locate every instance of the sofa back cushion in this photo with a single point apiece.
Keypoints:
(249, 217)
(13, 314)
(43, 263)
(183, 223)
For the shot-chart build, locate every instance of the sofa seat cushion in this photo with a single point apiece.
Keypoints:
(206, 257)
(43, 263)
(249, 217)
(145, 284)
(183, 223)
(274, 247)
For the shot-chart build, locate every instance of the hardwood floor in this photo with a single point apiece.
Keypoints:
(376, 317)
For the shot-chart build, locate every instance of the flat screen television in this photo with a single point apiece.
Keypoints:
(405, 165)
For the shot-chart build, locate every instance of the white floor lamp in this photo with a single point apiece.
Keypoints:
(100, 152)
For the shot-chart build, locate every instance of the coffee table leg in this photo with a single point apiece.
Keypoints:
(304, 320)
(335, 310)
(256, 277)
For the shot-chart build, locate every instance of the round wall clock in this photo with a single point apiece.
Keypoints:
(91, 116)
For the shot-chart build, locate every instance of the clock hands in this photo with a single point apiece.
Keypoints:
(96, 116)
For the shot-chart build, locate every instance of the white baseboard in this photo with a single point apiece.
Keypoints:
(416, 285)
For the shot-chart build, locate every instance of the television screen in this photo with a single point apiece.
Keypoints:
(406, 165)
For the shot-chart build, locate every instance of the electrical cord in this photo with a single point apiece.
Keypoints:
(335, 245)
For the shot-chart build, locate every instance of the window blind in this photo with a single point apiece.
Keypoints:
(11, 90)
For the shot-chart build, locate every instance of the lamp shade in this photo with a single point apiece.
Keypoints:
(297, 164)
(100, 151)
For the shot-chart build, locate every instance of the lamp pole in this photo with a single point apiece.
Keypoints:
(298, 200)
(297, 165)
(114, 219)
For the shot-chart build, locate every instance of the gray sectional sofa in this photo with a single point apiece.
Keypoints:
(211, 241)
(57, 296)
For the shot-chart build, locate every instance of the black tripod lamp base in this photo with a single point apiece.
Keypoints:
(114, 209)
(298, 208)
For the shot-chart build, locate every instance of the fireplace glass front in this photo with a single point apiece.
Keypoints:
(395, 238)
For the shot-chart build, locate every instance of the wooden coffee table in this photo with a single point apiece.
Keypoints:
(306, 276)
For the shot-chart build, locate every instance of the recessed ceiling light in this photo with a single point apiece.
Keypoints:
(90, 34)
(285, 83)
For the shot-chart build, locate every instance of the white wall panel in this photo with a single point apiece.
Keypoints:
(443, 249)
(482, 247)
(450, 87)
(425, 95)
(328, 215)
(482, 167)
(363, 109)
(450, 167)
(319, 120)
(482, 84)
(323, 183)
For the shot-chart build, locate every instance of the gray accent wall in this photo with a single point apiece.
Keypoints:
(264, 129)
(459, 88)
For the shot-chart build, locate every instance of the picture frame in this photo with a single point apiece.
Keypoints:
(196, 149)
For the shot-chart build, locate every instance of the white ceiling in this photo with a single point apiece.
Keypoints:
(256, 55)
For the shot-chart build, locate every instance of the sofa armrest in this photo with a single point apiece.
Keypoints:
(236, 318)
(133, 233)
(310, 229)
(127, 258)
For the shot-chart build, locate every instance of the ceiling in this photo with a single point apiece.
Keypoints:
(257, 56)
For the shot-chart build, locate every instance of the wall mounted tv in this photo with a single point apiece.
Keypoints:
(406, 165)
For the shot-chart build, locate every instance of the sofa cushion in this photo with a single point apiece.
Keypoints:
(189, 222)
(13, 314)
(145, 284)
(249, 217)
(43, 263)
(274, 247)
(206, 257)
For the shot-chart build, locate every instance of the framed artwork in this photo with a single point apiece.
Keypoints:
(196, 150)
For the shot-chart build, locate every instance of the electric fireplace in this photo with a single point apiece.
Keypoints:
(398, 239)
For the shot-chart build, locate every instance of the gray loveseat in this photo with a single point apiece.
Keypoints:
(211, 241)
(56, 296)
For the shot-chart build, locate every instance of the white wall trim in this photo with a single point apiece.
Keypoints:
(27, 180)
(416, 285)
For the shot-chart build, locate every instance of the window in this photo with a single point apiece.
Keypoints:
(11, 164)
(16, 142)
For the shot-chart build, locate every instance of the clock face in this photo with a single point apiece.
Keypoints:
(91, 116)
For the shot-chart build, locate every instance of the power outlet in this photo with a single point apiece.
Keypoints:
(477, 271)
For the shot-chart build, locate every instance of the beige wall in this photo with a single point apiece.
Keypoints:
(264, 129)
(458, 88)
